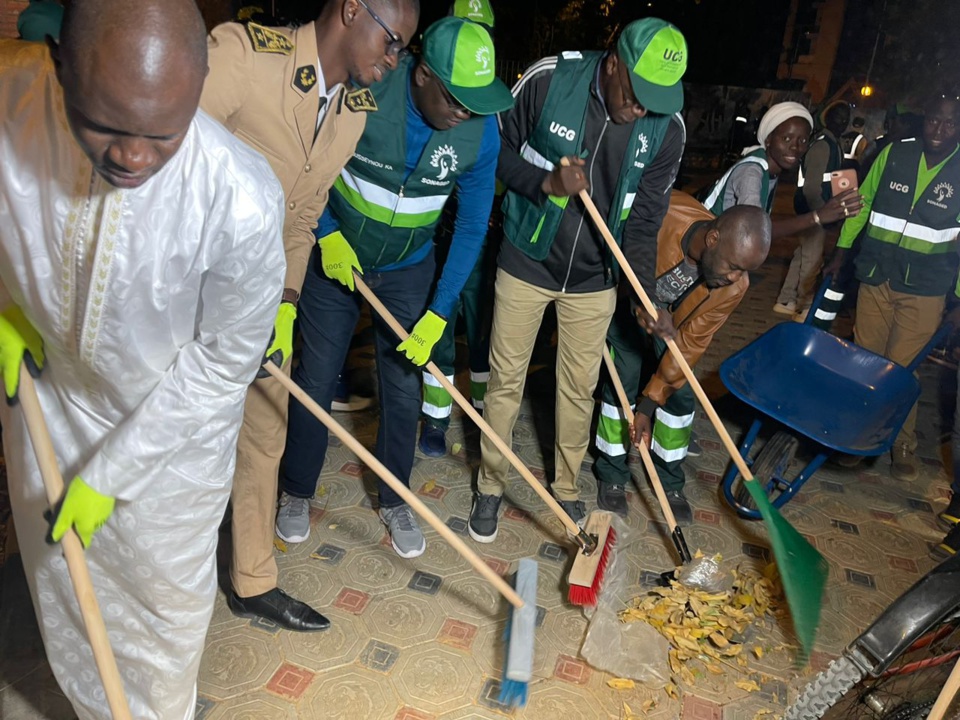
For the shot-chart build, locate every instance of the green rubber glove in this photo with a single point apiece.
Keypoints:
(423, 337)
(339, 259)
(82, 508)
(19, 342)
(281, 339)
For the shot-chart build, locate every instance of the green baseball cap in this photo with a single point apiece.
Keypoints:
(478, 11)
(460, 53)
(655, 54)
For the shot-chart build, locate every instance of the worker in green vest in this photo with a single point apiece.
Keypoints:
(475, 307)
(908, 257)
(613, 117)
(434, 130)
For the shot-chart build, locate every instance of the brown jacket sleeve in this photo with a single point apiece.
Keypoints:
(693, 338)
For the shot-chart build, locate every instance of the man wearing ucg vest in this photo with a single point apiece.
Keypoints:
(613, 116)
(434, 131)
(908, 257)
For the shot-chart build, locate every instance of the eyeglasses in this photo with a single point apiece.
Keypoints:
(450, 100)
(396, 44)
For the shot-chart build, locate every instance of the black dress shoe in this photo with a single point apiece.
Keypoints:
(275, 605)
(612, 497)
(681, 508)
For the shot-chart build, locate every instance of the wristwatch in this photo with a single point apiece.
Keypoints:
(290, 296)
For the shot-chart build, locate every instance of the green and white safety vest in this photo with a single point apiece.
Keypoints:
(383, 214)
(714, 200)
(910, 241)
(532, 228)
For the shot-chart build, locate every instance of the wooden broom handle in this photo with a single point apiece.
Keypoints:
(525, 473)
(671, 344)
(644, 451)
(398, 487)
(947, 694)
(73, 550)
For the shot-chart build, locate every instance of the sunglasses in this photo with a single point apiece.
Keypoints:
(396, 45)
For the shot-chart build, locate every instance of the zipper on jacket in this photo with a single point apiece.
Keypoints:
(576, 239)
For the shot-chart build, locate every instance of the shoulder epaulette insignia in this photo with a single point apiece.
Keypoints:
(305, 78)
(266, 40)
(361, 101)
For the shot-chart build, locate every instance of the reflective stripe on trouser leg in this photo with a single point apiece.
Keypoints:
(613, 432)
(478, 387)
(671, 435)
(437, 402)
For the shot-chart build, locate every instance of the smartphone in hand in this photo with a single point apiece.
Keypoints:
(842, 180)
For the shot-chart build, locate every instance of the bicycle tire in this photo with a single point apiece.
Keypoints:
(775, 456)
(825, 690)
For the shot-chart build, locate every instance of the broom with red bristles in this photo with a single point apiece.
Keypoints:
(595, 540)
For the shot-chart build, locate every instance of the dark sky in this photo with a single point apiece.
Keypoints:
(735, 42)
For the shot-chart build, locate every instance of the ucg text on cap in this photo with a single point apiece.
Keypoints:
(460, 53)
(655, 54)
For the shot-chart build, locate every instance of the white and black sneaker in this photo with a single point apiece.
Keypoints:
(484, 518)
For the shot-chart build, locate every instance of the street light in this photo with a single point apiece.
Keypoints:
(866, 90)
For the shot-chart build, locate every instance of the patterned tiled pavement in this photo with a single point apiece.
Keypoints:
(421, 639)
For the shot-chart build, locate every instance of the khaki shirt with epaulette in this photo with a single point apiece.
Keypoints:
(263, 87)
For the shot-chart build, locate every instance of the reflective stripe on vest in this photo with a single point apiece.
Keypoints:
(387, 207)
(826, 177)
(535, 158)
(911, 236)
(853, 148)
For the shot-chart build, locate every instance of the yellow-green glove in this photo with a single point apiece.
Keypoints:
(82, 508)
(19, 341)
(281, 339)
(423, 337)
(338, 258)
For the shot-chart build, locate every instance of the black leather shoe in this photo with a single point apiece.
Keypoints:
(613, 498)
(681, 508)
(275, 605)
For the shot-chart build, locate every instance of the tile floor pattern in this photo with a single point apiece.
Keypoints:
(421, 639)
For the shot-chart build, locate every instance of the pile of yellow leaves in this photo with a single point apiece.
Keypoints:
(709, 628)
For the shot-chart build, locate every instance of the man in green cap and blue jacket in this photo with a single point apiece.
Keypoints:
(433, 131)
(613, 116)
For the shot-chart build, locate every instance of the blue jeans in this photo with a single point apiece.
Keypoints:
(328, 314)
(955, 487)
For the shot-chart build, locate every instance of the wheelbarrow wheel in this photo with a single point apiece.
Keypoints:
(773, 461)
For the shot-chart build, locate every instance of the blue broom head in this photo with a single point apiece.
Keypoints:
(519, 636)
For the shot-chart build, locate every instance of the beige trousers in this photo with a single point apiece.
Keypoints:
(897, 325)
(582, 323)
(253, 569)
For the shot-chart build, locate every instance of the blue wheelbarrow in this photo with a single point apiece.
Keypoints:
(838, 395)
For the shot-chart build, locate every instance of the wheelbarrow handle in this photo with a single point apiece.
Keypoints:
(671, 344)
(73, 550)
(675, 532)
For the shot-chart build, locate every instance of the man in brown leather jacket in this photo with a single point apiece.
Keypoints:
(702, 266)
(290, 95)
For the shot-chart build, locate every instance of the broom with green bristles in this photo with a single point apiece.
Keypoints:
(803, 570)
(519, 666)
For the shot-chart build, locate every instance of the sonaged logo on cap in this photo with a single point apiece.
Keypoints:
(475, 7)
(266, 40)
(305, 78)
(361, 101)
(483, 59)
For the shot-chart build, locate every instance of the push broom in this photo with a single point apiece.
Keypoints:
(595, 541)
(803, 570)
(675, 532)
(519, 665)
(73, 550)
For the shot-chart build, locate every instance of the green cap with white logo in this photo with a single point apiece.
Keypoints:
(655, 54)
(478, 11)
(460, 53)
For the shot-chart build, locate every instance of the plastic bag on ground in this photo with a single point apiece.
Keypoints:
(704, 573)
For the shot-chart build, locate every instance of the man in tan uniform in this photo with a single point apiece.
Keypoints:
(285, 93)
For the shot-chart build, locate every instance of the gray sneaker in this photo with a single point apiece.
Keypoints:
(405, 535)
(293, 519)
